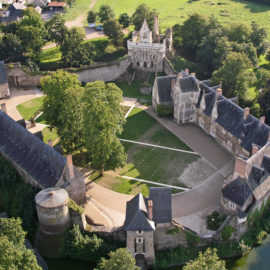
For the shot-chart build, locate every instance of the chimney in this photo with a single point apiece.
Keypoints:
(246, 113)
(262, 119)
(150, 209)
(193, 74)
(156, 26)
(50, 143)
(70, 166)
(173, 84)
(4, 108)
(268, 137)
(254, 150)
(240, 167)
(187, 71)
(179, 75)
(218, 92)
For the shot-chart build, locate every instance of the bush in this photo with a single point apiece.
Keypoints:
(260, 237)
(192, 238)
(245, 249)
(164, 110)
(227, 232)
(75, 207)
(215, 220)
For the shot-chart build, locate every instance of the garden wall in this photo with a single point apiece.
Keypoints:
(168, 67)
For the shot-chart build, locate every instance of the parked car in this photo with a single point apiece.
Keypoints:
(99, 27)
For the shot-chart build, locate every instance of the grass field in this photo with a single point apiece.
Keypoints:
(49, 135)
(176, 11)
(30, 108)
(50, 55)
(149, 163)
(79, 8)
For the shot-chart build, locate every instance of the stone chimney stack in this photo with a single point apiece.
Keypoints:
(262, 119)
(187, 71)
(70, 166)
(150, 209)
(246, 113)
(218, 92)
(179, 75)
(156, 26)
(268, 137)
(4, 108)
(50, 143)
(254, 150)
(240, 167)
(173, 84)
(193, 74)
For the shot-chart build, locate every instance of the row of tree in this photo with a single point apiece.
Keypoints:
(86, 118)
(228, 54)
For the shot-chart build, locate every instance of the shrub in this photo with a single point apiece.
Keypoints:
(164, 110)
(75, 207)
(261, 236)
(245, 249)
(192, 238)
(215, 220)
(227, 232)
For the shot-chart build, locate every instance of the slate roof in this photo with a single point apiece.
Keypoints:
(237, 191)
(22, 123)
(136, 215)
(36, 158)
(3, 73)
(162, 204)
(188, 84)
(164, 88)
(256, 177)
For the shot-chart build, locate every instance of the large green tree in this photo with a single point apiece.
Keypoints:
(121, 259)
(105, 13)
(236, 75)
(143, 12)
(124, 20)
(13, 253)
(264, 101)
(103, 121)
(91, 16)
(207, 260)
(113, 30)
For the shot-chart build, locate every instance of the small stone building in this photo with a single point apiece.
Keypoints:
(147, 51)
(38, 163)
(4, 88)
(143, 215)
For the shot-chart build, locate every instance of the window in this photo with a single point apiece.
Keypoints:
(231, 205)
(138, 64)
(139, 232)
(139, 240)
(144, 36)
(145, 64)
(152, 64)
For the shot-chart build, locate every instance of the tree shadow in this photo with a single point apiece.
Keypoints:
(254, 7)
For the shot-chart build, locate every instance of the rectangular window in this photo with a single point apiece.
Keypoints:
(139, 232)
(139, 240)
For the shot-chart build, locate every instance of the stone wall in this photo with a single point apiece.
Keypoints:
(105, 71)
(4, 90)
(168, 67)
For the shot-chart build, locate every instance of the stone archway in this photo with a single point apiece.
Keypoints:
(141, 261)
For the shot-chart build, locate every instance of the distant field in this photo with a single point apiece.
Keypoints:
(176, 11)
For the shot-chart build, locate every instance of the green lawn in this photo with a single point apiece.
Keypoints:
(78, 8)
(132, 90)
(49, 135)
(50, 55)
(149, 163)
(176, 11)
(30, 108)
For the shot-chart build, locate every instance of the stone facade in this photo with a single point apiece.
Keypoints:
(147, 51)
(4, 87)
(141, 242)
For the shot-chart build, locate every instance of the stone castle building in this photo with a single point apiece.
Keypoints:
(143, 217)
(147, 50)
(38, 163)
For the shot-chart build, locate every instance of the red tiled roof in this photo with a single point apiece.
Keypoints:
(57, 4)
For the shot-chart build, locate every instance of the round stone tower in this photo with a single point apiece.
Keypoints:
(52, 210)
(54, 219)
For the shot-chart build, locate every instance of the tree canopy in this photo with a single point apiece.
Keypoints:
(113, 30)
(124, 20)
(91, 16)
(105, 13)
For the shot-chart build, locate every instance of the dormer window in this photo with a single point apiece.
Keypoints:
(139, 232)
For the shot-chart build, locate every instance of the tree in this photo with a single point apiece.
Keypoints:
(74, 52)
(32, 18)
(211, 53)
(103, 121)
(57, 31)
(258, 38)
(13, 253)
(91, 16)
(264, 101)
(124, 20)
(105, 13)
(144, 12)
(193, 31)
(55, 89)
(248, 49)
(208, 260)
(238, 32)
(11, 49)
(121, 259)
(235, 74)
(113, 30)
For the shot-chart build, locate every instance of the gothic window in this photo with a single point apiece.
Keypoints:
(144, 35)
(152, 64)
(138, 64)
(145, 64)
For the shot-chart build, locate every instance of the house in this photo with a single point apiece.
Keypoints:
(147, 51)
(143, 216)
(38, 163)
(4, 88)
(40, 3)
(59, 6)
(14, 13)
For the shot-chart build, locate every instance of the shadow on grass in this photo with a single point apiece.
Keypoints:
(254, 7)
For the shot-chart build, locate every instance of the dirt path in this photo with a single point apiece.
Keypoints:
(79, 20)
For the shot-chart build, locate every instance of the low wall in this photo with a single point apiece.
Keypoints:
(104, 71)
(168, 67)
